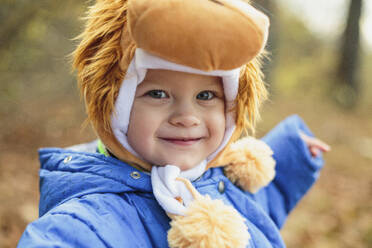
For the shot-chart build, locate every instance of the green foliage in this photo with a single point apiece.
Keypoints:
(304, 61)
(307, 64)
(34, 44)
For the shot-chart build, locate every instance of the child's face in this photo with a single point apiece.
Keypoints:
(177, 118)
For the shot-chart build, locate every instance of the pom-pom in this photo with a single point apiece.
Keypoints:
(249, 164)
(208, 223)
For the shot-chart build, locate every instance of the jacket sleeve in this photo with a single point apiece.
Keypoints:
(296, 169)
(59, 230)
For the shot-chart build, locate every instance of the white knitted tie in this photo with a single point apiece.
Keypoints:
(166, 188)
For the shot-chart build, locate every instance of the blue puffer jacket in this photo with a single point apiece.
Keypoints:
(89, 200)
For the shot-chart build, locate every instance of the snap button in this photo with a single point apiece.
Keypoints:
(67, 159)
(221, 187)
(135, 175)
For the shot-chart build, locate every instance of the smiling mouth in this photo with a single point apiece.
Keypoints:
(182, 141)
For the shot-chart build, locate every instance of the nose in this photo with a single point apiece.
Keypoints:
(184, 116)
(184, 121)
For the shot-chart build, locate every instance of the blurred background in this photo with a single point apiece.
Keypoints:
(320, 68)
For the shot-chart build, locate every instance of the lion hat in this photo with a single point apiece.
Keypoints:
(226, 38)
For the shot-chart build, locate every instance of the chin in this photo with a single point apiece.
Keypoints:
(182, 163)
(187, 165)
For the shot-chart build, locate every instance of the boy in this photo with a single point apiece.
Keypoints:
(166, 98)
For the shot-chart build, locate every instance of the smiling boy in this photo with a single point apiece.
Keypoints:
(169, 102)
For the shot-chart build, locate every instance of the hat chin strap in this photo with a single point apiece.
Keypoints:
(163, 178)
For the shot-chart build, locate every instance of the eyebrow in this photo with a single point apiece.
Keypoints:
(158, 83)
(214, 84)
(149, 81)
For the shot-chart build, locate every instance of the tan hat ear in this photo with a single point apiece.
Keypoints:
(202, 34)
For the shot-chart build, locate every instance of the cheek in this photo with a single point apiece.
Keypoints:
(216, 125)
(142, 126)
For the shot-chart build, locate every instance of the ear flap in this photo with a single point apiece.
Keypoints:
(252, 92)
(101, 60)
(102, 57)
(248, 162)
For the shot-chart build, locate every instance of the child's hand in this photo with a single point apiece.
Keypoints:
(315, 145)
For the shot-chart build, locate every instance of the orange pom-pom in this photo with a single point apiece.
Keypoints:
(249, 164)
(208, 223)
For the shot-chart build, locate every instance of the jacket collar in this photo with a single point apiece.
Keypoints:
(67, 174)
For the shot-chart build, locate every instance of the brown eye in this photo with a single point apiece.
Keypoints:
(205, 95)
(157, 94)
